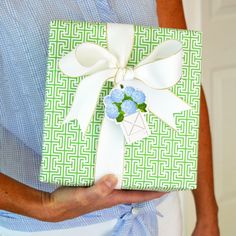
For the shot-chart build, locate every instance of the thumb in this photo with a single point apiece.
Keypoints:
(102, 187)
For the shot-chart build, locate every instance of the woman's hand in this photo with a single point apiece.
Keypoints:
(207, 220)
(206, 228)
(65, 202)
(69, 202)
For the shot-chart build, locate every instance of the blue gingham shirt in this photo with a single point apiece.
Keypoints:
(24, 29)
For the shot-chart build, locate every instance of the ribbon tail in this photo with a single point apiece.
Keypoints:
(150, 228)
(110, 151)
(124, 225)
(150, 216)
(86, 98)
(163, 103)
(144, 224)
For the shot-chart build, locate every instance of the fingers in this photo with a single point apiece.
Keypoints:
(102, 188)
(135, 196)
(103, 193)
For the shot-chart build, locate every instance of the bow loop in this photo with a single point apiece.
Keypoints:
(133, 216)
(162, 69)
(87, 59)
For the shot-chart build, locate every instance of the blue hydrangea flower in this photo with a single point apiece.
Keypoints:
(129, 90)
(112, 111)
(138, 96)
(129, 107)
(117, 95)
(108, 100)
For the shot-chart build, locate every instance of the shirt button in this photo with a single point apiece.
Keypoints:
(135, 211)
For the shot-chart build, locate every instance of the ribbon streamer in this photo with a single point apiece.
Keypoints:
(154, 75)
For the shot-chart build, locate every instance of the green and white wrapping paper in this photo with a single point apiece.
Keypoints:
(165, 160)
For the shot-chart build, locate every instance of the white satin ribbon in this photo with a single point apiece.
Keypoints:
(154, 75)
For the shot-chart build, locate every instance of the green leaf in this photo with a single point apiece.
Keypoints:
(143, 110)
(120, 118)
(142, 107)
(118, 104)
(127, 98)
(122, 86)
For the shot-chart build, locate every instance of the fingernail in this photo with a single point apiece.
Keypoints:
(110, 181)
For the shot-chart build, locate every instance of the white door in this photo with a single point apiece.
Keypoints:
(217, 19)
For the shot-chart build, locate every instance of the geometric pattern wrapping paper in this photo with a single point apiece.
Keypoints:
(165, 160)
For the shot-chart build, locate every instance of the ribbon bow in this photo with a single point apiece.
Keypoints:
(154, 75)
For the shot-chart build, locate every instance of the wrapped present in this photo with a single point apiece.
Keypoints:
(122, 99)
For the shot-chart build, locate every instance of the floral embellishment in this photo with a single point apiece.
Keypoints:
(122, 102)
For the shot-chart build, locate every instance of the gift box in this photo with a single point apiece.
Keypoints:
(122, 99)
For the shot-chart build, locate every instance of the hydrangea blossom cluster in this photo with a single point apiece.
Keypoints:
(124, 101)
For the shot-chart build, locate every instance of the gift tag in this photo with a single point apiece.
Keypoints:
(126, 106)
(135, 127)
